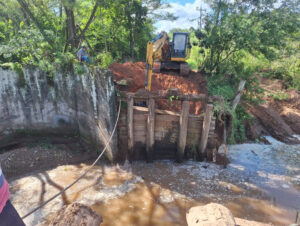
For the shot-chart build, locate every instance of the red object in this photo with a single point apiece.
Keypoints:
(4, 195)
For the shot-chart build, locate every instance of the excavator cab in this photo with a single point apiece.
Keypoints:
(179, 46)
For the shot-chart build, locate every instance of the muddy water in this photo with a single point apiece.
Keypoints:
(261, 183)
(143, 206)
(275, 170)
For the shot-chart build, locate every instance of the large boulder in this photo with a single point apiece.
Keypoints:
(212, 214)
(76, 214)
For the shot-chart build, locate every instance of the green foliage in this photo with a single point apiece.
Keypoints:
(171, 99)
(279, 95)
(246, 40)
(241, 38)
(238, 133)
(19, 69)
(218, 85)
(79, 68)
(106, 59)
(41, 34)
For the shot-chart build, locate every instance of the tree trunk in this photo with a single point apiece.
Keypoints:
(132, 44)
(60, 10)
(214, 35)
(70, 26)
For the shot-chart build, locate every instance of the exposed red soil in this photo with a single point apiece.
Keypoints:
(279, 118)
(134, 73)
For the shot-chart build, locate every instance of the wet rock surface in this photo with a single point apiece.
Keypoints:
(215, 214)
(212, 214)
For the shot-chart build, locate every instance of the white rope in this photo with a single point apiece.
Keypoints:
(66, 188)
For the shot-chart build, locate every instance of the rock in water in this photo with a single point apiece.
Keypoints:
(212, 214)
(76, 214)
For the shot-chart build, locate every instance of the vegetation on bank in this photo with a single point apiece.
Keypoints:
(48, 33)
(239, 40)
(247, 40)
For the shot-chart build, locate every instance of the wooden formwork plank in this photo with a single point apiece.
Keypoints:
(138, 126)
(162, 129)
(130, 124)
(195, 123)
(140, 117)
(157, 111)
(205, 129)
(194, 130)
(183, 126)
(166, 118)
(139, 133)
(165, 127)
(150, 130)
(140, 139)
(166, 94)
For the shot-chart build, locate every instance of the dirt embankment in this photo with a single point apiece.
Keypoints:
(279, 115)
(132, 76)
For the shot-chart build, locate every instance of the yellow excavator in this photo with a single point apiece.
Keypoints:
(164, 54)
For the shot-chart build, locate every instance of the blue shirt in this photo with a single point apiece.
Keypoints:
(81, 53)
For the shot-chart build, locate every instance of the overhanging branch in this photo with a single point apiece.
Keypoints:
(90, 19)
(27, 11)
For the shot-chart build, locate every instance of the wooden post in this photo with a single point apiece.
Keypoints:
(205, 130)
(183, 123)
(238, 95)
(130, 125)
(150, 129)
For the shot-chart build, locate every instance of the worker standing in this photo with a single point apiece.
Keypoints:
(8, 214)
(82, 55)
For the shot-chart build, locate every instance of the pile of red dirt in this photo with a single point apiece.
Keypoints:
(76, 214)
(134, 73)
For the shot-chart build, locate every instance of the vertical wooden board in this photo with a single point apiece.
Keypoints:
(139, 127)
(237, 98)
(183, 125)
(166, 136)
(194, 131)
(205, 129)
(150, 130)
(212, 128)
(130, 124)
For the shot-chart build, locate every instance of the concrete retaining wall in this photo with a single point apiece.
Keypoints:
(68, 103)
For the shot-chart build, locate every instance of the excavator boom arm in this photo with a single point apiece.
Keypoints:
(154, 51)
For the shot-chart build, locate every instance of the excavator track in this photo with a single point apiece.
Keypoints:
(184, 69)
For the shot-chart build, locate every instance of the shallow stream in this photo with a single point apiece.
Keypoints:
(262, 183)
